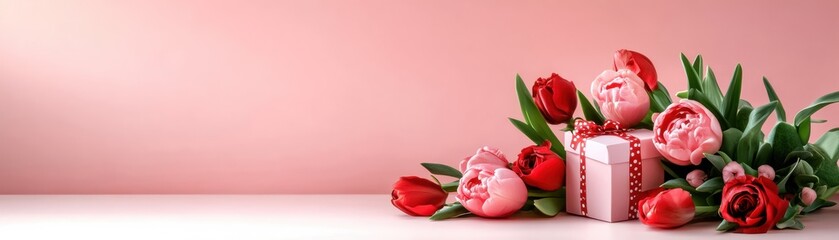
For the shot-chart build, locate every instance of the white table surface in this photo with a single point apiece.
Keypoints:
(317, 217)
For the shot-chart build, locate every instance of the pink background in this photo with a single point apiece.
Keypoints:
(341, 96)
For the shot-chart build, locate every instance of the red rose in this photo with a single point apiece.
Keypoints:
(418, 196)
(752, 203)
(666, 209)
(540, 167)
(639, 64)
(556, 98)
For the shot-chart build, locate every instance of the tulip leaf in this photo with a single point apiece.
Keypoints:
(782, 115)
(549, 206)
(451, 187)
(804, 130)
(451, 211)
(804, 180)
(759, 116)
(732, 96)
(826, 170)
(711, 211)
(748, 169)
(678, 183)
(711, 185)
(717, 161)
(813, 108)
(726, 226)
(537, 193)
(747, 147)
(730, 138)
(816, 205)
(782, 185)
(527, 131)
(659, 99)
(697, 66)
(696, 95)
(743, 117)
(784, 139)
(764, 154)
(669, 170)
(693, 77)
(534, 117)
(440, 169)
(589, 112)
(829, 142)
(712, 89)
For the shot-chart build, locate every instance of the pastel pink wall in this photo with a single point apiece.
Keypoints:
(340, 96)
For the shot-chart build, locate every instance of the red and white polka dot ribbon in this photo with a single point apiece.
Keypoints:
(583, 130)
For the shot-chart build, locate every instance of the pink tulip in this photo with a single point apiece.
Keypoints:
(696, 177)
(485, 155)
(766, 171)
(685, 131)
(488, 190)
(621, 96)
(731, 171)
(808, 196)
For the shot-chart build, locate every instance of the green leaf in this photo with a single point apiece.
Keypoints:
(588, 111)
(782, 185)
(452, 211)
(693, 77)
(804, 130)
(764, 154)
(549, 206)
(748, 169)
(450, 187)
(534, 117)
(743, 117)
(782, 115)
(829, 142)
(678, 183)
(726, 226)
(817, 204)
(732, 96)
(696, 95)
(730, 138)
(790, 219)
(706, 212)
(697, 66)
(659, 99)
(712, 89)
(717, 161)
(712, 185)
(440, 169)
(813, 108)
(759, 116)
(747, 148)
(804, 180)
(784, 139)
(826, 169)
(527, 131)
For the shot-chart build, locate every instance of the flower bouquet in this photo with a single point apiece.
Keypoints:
(707, 145)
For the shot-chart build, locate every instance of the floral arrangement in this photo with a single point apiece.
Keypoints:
(719, 164)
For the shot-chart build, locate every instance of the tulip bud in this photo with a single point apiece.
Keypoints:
(556, 98)
(639, 64)
(766, 171)
(808, 196)
(696, 177)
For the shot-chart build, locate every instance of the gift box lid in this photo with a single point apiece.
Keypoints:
(610, 149)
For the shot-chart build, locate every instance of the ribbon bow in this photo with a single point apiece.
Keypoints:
(583, 130)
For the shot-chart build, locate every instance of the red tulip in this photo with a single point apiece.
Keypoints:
(556, 98)
(639, 64)
(667, 209)
(417, 196)
(540, 167)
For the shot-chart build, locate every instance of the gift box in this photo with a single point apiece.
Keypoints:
(608, 183)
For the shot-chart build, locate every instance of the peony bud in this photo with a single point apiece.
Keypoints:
(696, 177)
(808, 196)
(766, 171)
(731, 171)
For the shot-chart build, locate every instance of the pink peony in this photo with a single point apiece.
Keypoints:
(685, 131)
(621, 96)
(489, 190)
(485, 155)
